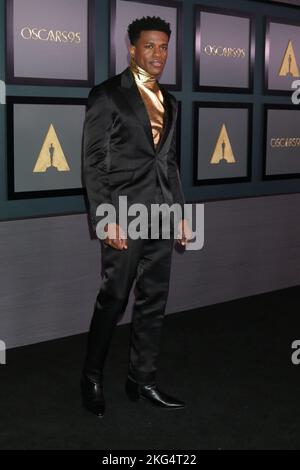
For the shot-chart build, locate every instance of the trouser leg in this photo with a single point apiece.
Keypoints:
(118, 270)
(151, 293)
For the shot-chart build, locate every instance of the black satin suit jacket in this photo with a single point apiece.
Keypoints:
(119, 156)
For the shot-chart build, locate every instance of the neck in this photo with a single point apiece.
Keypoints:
(141, 73)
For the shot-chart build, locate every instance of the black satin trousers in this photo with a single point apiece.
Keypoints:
(148, 262)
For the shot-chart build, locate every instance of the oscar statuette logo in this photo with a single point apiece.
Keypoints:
(51, 155)
(289, 63)
(223, 151)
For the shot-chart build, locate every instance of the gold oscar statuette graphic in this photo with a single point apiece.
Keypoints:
(223, 152)
(289, 64)
(51, 154)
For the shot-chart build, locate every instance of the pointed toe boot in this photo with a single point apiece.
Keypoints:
(150, 392)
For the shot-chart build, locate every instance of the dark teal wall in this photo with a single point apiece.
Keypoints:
(72, 204)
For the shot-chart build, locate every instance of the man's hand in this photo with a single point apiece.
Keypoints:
(184, 232)
(115, 237)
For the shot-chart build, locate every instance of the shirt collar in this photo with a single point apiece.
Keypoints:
(141, 75)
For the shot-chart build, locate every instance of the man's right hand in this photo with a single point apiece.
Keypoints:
(115, 237)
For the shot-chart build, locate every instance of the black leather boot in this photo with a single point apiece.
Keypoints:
(136, 391)
(92, 395)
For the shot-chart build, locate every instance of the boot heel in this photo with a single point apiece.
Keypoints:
(132, 391)
(133, 395)
(92, 397)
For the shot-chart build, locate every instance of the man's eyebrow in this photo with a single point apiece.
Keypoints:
(152, 42)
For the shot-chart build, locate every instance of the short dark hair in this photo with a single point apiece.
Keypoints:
(149, 23)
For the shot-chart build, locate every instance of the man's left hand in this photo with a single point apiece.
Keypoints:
(184, 232)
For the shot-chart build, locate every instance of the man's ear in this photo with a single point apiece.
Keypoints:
(132, 50)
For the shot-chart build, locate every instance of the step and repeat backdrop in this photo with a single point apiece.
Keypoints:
(53, 43)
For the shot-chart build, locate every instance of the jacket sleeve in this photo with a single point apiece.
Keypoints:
(96, 137)
(173, 172)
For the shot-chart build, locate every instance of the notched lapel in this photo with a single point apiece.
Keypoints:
(131, 92)
(169, 115)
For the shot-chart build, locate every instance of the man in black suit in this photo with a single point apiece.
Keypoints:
(130, 150)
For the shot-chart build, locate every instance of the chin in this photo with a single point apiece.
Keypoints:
(155, 72)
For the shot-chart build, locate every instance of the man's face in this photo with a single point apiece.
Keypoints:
(151, 51)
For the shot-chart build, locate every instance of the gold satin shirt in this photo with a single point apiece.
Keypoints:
(152, 97)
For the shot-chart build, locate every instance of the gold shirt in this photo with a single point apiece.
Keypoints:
(152, 97)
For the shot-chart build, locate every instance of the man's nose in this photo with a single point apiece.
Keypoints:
(157, 54)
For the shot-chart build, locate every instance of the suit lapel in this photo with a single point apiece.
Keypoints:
(131, 92)
(167, 119)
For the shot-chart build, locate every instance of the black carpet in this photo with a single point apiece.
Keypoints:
(230, 362)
